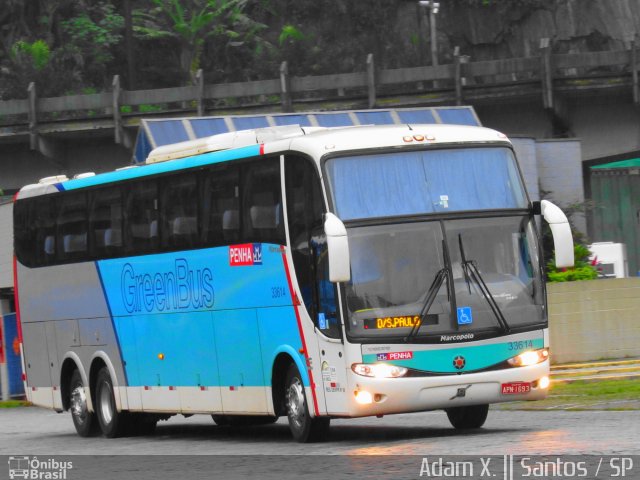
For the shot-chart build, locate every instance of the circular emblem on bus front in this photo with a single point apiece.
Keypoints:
(459, 362)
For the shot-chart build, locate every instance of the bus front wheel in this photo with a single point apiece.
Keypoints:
(303, 427)
(464, 418)
(85, 421)
(112, 422)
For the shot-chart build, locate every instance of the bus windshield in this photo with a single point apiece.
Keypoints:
(424, 182)
(421, 278)
(492, 284)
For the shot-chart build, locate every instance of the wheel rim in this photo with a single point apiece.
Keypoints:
(106, 408)
(79, 408)
(296, 403)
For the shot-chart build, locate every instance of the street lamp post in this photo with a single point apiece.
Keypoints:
(433, 7)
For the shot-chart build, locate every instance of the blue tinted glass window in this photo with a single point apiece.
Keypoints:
(206, 127)
(302, 120)
(416, 116)
(375, 118)
(334, 120)
(168, 131)
(411, 183)
(248, 123)
(457, 116)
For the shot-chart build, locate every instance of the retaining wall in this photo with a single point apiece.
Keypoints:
(593, 320)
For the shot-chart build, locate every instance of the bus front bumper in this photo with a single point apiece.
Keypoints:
(414, 394)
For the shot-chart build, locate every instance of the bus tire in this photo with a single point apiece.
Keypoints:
(464, 418)
(220, 420)
(112, 423)
(303, 427)
(84, 421)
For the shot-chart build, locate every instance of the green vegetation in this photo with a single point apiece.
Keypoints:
(145, 108)
(583, 269)
(585, 395)
(14, 403)
(37, 52)
(291, 33)
(65, 46)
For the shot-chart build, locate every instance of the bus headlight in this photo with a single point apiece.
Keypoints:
(379, 370)
(531, 357)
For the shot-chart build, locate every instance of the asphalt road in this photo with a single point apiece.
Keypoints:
(269, 452)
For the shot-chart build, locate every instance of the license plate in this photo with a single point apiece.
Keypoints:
(514, 388)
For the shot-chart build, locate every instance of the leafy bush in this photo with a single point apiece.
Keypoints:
(582, 270)
(37, 51)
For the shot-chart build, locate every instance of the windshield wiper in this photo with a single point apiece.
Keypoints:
(441, 276)
(471, 272)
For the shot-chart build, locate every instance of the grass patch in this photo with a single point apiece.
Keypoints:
(14, 403)
(604, 388)
(582, 395)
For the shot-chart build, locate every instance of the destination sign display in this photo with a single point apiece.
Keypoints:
(400, 321)
(404, 321)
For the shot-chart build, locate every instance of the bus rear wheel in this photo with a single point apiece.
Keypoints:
(303, 427)
(84, 421)
(464, 418)
(112, 423)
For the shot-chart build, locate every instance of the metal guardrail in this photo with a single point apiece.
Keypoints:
(457, 82)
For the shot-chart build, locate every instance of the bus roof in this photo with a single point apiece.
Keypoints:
(314, 141)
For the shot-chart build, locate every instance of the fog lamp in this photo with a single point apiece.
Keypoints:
(363, 397)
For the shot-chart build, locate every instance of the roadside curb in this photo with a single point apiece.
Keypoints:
(627, 369)
(596, 378)
(603, 363)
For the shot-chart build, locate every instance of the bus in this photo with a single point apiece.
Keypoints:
(301, 272)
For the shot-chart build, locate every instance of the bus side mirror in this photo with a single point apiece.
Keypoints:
(561, 231)
(536, 208)
(338, 249)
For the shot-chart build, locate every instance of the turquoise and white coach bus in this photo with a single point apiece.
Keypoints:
(303, 272)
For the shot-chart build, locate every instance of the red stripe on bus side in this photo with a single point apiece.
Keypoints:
(262, 149)
(304, 343)
(15, 297)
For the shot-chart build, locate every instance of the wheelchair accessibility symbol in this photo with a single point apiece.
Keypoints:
(464, 316)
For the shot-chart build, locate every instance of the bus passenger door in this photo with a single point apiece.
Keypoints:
(332, 374)
(308, 243)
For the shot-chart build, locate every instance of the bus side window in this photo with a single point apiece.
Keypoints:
(72, 222)
(25, 233)
(220, 206)
(141, 218)
(262, 203)
(45, 223)
(105, 222)
(180, 212)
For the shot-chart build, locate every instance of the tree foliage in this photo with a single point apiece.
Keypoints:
(192, 25)
(67, 46)
(35, 54)
(582, 269)
(231, 40)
